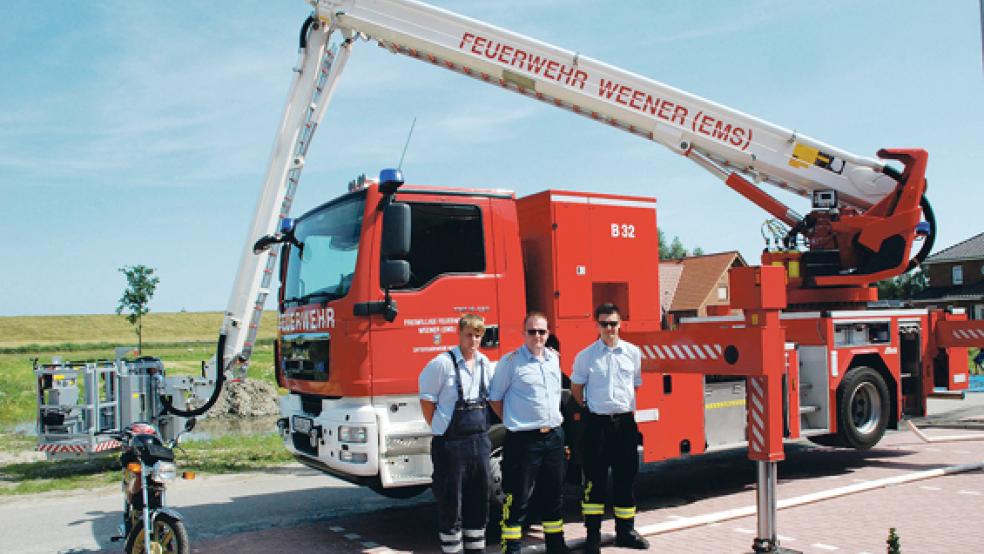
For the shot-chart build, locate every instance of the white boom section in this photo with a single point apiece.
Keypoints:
(718, 138)
(732, 140)
(311, 90)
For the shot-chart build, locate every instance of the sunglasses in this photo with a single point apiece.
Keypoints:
(535, 332)
(610, 324)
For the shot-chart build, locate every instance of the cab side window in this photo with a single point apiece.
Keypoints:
(444, 238)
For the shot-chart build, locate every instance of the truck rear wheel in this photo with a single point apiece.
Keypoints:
(497, 495)
(863, 405)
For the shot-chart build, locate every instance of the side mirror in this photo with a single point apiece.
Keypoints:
(394, 273)
(266, 241)
(285, 234)
(396, 231)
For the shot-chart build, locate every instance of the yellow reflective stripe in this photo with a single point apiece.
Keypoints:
(725, 404)
(587, 491)
(508, 533)
(505, 510)
(512, 533)
(625, 513)
(553, 526)
(592, 509)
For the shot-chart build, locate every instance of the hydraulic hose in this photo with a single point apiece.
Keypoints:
(927, 210)
(927, 245)
(304, 31)
(216, 391)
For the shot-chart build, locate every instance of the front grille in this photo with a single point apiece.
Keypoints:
(303, 443)
(305, 359)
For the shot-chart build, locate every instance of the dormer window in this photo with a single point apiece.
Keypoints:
(958, 275)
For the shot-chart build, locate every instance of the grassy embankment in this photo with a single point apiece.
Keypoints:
(182, 340)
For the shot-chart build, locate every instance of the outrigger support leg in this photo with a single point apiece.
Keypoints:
(767, 540)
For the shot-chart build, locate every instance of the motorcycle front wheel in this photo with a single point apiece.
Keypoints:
(168, 536)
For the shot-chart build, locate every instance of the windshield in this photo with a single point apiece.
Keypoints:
(322, 268)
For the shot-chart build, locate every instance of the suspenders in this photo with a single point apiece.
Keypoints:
(470, 416)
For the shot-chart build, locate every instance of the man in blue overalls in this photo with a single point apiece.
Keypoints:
(453, 391)
(525, 393)
(605, 377)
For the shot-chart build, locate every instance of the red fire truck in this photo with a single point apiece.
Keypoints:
(352, 371)
(373, 282)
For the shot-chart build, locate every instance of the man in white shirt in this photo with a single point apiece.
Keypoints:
(453, 398)
(605, 377)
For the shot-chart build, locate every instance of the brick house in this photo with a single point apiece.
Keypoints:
(697, 285)
(956, 278)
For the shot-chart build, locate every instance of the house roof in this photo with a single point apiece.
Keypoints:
(970, 249)
(698, 278)
(669, 280)
(953, 293)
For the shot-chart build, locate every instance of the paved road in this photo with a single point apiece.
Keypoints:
(214, 506)
(295, 509)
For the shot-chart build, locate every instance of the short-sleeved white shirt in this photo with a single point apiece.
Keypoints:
(437, 384)
(609, 375)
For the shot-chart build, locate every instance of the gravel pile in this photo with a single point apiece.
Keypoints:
(249, 398)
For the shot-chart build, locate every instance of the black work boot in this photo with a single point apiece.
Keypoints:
(592, 543)
(555, 543)
(627, 537)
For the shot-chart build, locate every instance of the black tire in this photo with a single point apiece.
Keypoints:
(168, 532)
(863, 406)
(401, 493)
(826, 440)
(497, 495)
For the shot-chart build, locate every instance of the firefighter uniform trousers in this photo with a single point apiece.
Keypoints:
(461, 471)
(533, 459)
(611, 441)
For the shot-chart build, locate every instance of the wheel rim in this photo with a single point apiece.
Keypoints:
(163, 540)
(495, 476)
(865, 408)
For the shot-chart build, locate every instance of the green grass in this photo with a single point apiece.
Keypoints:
(18, 331)
(234, 453)
(16, 442)
(231, 454)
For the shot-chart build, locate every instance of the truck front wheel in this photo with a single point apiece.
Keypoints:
(401, 493)
(863, 405)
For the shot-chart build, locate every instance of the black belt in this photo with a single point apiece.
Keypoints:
(612, 417)
(540, 431)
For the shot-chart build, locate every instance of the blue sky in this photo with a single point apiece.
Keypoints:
(139, 132)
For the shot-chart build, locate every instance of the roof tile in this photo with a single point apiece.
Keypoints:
(972, 248)
(699, 276)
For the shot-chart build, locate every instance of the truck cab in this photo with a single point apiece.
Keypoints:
(349, 357)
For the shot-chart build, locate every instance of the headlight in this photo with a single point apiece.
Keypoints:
(349, 433)
(164, 471)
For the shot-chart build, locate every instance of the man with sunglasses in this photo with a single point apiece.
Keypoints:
(526, 394)
(453, 392)
(605, 377)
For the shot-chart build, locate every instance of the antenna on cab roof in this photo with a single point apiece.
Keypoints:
(409, 135)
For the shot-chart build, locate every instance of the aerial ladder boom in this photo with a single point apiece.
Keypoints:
(868, 211)
(864, 231)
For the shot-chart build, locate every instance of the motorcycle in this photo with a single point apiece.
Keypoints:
(149, 525)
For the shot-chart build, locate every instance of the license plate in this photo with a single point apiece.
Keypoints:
(302, 424)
